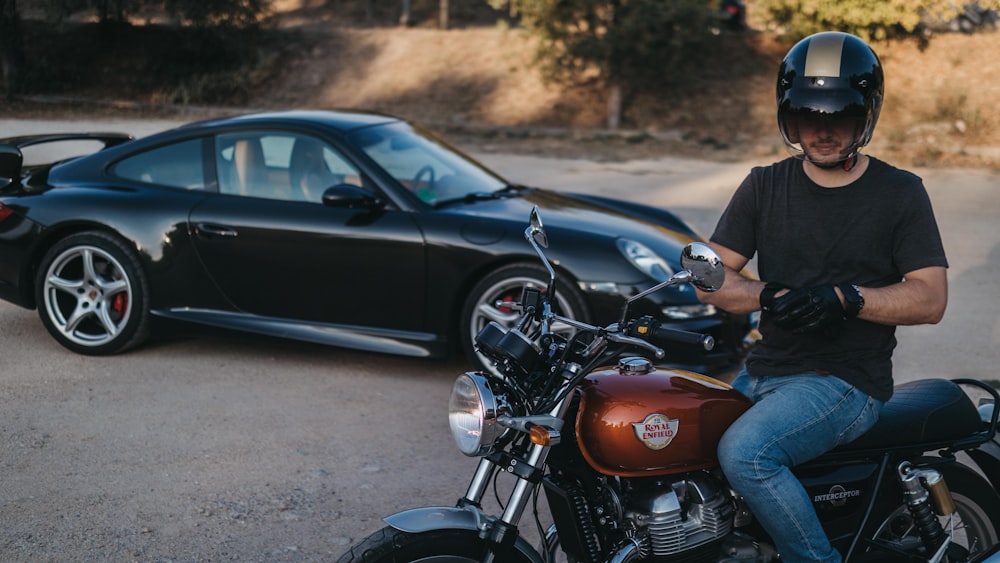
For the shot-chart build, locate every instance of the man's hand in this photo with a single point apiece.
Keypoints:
(807, 310)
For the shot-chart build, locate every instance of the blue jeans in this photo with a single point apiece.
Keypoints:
(794, 419)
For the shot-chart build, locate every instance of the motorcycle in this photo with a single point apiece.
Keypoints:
(624, 454)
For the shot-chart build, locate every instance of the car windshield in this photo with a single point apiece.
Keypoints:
(427, 166)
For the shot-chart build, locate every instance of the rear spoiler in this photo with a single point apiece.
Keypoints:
(11, 158)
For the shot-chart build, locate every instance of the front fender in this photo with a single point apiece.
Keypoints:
(429, 518)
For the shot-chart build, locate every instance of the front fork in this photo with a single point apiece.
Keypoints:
(503, 531)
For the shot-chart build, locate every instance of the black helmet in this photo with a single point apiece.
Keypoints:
(832, 74)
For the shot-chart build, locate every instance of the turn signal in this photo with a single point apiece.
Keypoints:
(543, 435)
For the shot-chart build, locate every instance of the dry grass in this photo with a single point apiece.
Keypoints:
(941, 105)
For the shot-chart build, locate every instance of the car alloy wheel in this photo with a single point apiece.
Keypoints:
(505, 285)
(92, 294)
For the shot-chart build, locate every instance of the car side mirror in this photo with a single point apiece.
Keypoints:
(349, 196)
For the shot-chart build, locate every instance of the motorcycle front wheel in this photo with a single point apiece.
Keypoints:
(390, 545)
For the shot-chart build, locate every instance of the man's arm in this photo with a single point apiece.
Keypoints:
(920, 298)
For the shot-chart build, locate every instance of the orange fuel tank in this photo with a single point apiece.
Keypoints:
(636, 420)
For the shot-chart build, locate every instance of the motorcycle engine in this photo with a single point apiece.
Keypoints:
(682, 516)
(657, 519)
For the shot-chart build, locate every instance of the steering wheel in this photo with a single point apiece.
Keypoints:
(425, 170)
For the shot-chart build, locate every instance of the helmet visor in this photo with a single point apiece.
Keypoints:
(824, 136)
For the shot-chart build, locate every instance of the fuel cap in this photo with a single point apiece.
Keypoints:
(634, 366)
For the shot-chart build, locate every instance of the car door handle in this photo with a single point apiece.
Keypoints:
(215, 231)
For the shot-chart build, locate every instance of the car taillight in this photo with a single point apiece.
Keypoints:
(5, 212)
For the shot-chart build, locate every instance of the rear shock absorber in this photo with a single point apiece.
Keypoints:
(927, 496)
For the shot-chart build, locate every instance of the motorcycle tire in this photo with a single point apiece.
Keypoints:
(390, 545)
(978, 510)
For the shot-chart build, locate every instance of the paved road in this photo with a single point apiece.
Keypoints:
(216, 448)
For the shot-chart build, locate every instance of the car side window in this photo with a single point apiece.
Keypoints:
(178, 165)
(282, 166)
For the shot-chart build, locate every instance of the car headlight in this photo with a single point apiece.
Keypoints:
(472, 414)
(647, 261)
(685, 312)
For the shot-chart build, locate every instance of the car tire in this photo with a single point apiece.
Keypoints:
(92, 294)
(505, 284)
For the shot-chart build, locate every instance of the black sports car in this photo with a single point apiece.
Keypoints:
(348, 229)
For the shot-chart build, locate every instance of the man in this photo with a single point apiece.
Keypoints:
(847, 247)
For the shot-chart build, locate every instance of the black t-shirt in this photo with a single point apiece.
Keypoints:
(870, 233)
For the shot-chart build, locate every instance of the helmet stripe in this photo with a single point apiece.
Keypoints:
(823, 56)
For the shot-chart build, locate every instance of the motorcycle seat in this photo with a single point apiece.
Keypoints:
(922, 411)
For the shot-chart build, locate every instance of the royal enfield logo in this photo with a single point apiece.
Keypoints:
(837, 496)
(656, 431)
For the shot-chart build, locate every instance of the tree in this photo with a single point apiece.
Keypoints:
(404, 18)
(864, 18)
(624, 45)
(210, 13)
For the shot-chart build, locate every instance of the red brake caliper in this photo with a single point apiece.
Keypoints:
(506, 299)
(120, 302)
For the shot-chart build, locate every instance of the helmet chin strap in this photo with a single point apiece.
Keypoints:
(847, 164)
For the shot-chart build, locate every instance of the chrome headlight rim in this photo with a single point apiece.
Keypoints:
(473, 409)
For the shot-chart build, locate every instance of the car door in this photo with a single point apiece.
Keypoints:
(275, 250)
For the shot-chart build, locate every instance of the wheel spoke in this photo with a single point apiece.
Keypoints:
(89, 273)
(109, 325)
(64, 285)
(80, 313)
(111, 288)
(492, 313)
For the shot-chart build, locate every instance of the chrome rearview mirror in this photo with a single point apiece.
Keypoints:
(535, 234)
(536, 230)
(705, 266)
(701, 267)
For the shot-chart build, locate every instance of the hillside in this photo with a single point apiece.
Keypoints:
(478, 86)
(941, 102)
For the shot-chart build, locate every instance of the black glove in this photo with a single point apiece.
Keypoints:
(807, 310)
(767, 295)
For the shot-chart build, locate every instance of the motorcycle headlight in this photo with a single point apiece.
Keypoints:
(472, 414)
(647, 261)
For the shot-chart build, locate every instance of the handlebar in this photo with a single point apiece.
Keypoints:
(643, 333)
(648, 328)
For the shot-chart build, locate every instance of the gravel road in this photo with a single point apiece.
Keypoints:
(213, 448)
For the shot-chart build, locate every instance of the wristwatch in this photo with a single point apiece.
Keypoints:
(854, 301)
